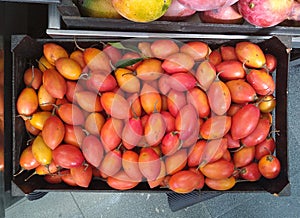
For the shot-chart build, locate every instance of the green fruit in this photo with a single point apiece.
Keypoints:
(97, 8)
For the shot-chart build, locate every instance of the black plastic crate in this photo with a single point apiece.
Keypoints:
(26, 49)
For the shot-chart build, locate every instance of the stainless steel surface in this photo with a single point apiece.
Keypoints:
(61, 33)
(53, 17)
(296, 42)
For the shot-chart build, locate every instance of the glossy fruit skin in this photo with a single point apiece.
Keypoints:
(244, 156)
(31, 129)
(41, 152)
(228, 53)
(175, 101)
(130, 165)
(220, 184)
(169, 120)
(67, 177)
(244, 121)
(215, 127)
(101, 82)
(77, 56)
(232, 143)
(112, 102)
(162, 48)
(67, 156)
(111, 132)
(149, 69)
(195, 152)
(53, 52)
(127, 81)
(160, 178)
(94, 122)
(213, 151)
(27, 102)
(184, 181)
(197, 50)
(219, 97)
(150, 99)
(96, 60)
(182, 81)
(71, 114)
(39, 118)
(177, 63)
(250, 54)
(266, 14)
(121, 181)
(271, 62)
(149, 163)
(82, 175)
(267, 104)
(220, 169)
(88, 101)
(111, 163)
(155, 129)
(259, 134)
(205, 74)
(53, 132)
(241, 92)
(261, 81)
(176, 161)
(269, 166)
(74, 135)
(33, 77)
(199, 100)
(92, 150)
(170, 143)
(186, 121)
(215, 57)
(231, 70)
(68, 68)
(54, 83)
(27, 160)
(250, 172)
(46, 101)
(264, 148)
(132, 132)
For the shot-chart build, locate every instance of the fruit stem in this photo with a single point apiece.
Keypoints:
(18, 173)
(202, 164)
(274, 131)
(32, 76)
(84, 76)
(86, 132)
(77, 46)
(24, 117)
(41, 63)
(34, 173)
(238, 149)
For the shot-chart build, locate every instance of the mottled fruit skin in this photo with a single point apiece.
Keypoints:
(265, 13)
(205, 5)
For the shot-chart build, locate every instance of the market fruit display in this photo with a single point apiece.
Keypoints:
(265, 13)
(176, 119)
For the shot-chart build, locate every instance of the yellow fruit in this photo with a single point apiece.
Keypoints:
(141, 10)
